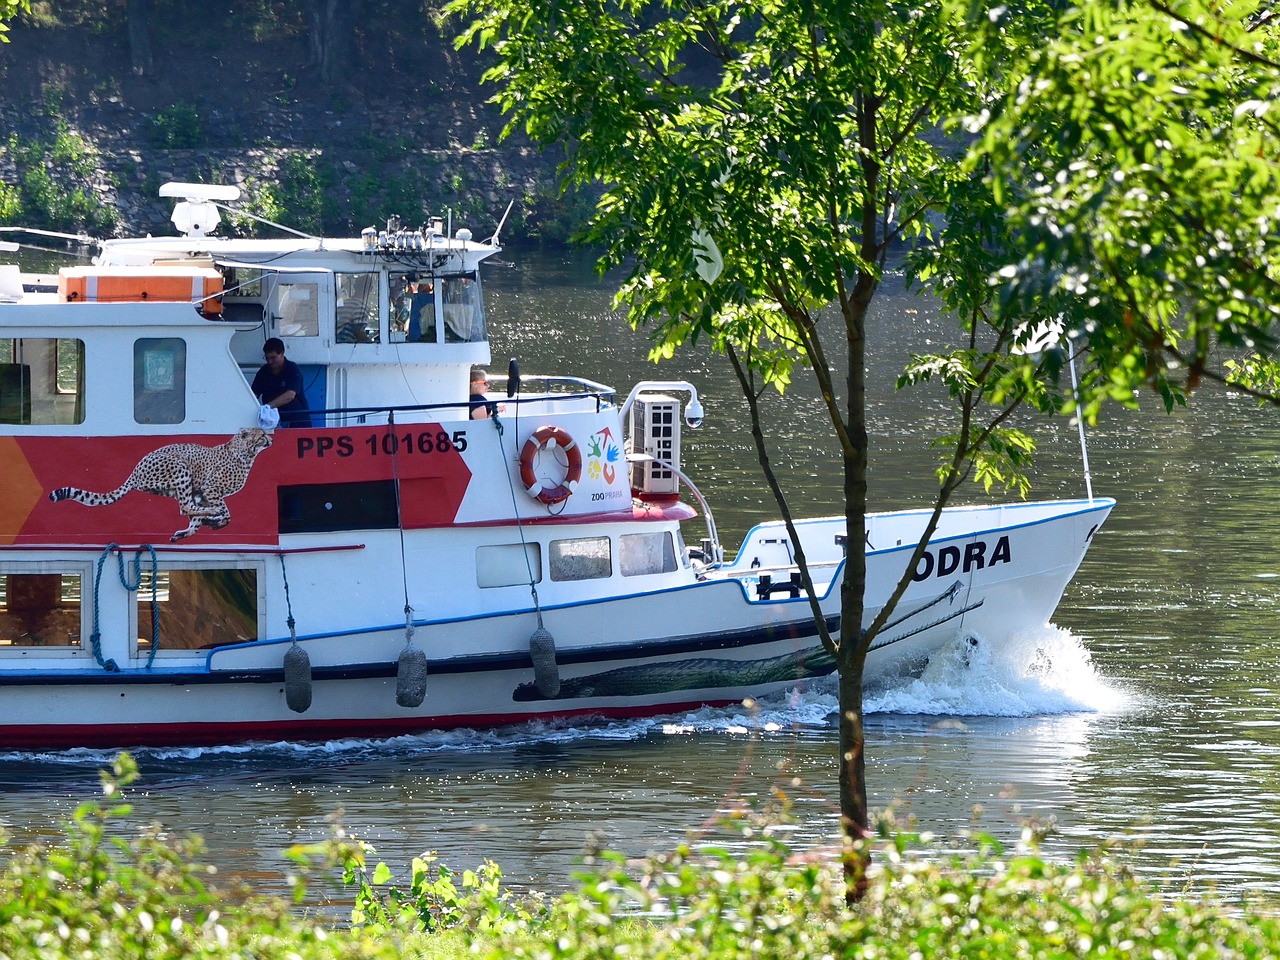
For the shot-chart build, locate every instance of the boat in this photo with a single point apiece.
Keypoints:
(178, 569)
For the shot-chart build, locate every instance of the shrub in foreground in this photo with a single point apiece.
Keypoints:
(100, 895)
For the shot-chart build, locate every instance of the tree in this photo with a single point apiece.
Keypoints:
(8, 10)
(1149, 134)
(761, 160)
(332, 36)
(139, 17)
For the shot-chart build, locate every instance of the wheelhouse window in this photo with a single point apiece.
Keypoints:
(464, 320)
(413, 307)
(160, 380)
(40, 607)
(299, 309)
(583, 558)
(41, 381)
(508, 564)
(242, 283)
(197, 608)
(358, 317)
(644, 553)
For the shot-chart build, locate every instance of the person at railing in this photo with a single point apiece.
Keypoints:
(481, 406)
(278, 383)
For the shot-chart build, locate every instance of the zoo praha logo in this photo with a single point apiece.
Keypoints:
(200, 478)
(974, 556)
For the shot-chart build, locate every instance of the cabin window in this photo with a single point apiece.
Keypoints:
(508, 564)
(324, 507)
(242, 283)
(463, 309)
(40, 607)
(357, 308)
(299, 309)
(643, 553)
(198, 607)
(41, 381)
(160, 380)
(584, 558)
(413, 307)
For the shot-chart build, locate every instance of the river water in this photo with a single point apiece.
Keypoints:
(1150, 718)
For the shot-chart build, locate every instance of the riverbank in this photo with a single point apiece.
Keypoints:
(228, 98)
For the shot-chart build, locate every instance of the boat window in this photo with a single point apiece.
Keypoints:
(242, 282)
(585, 558)
(41, 381)
(508, 564)
(463, 309)
(40, 608)
(160, 380)
(644, 553)
(299, 309)
(413, 307)
(197, 608)
(323, 507)
(357, 314)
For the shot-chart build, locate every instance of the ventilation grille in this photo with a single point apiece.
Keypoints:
(655, 430)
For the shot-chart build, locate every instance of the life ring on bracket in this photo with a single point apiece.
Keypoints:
(557, 444)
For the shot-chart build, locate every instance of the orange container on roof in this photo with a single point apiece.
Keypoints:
(199, 285)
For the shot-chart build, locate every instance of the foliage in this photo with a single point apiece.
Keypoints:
(295, 196)
(10, 203)
(1149, 132)
(740, 893)
(177, 127)
(102, 893)
(754, 897)
(433, 901)
(8, 10)
(55, 187)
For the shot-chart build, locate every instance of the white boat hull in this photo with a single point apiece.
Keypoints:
(715, 641)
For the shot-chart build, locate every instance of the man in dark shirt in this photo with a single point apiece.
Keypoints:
(279, 384)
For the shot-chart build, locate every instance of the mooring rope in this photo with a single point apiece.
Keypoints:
(404, 563)
(288, 604)
(515, 509)
(95, 638)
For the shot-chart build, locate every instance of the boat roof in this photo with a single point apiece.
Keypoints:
(422, 252)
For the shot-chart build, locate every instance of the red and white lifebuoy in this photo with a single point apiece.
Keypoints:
(550, 444)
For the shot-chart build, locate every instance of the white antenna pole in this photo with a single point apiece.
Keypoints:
(1084, 449)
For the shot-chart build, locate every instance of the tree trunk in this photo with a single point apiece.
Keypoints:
(855, 818)
(139, 18)
(332, 37)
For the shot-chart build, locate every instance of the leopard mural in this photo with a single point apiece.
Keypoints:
(200, 478)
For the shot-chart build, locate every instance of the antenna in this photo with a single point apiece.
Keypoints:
(1084, 449)
(493, 241)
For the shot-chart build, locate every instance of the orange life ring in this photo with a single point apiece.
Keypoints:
(550, 439)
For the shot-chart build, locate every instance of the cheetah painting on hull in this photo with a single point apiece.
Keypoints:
(200, 478)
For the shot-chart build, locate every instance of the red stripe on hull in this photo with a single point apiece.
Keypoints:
(61, 736)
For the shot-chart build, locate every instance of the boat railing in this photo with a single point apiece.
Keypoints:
(560, 395)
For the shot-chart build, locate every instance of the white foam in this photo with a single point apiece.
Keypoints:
(1044, 672)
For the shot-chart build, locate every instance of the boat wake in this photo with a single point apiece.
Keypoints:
(1044, 673)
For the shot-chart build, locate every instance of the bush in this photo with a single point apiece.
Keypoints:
(99, 894)
(178, 127)
(55, 188)
(747, 895)
(920, 902)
